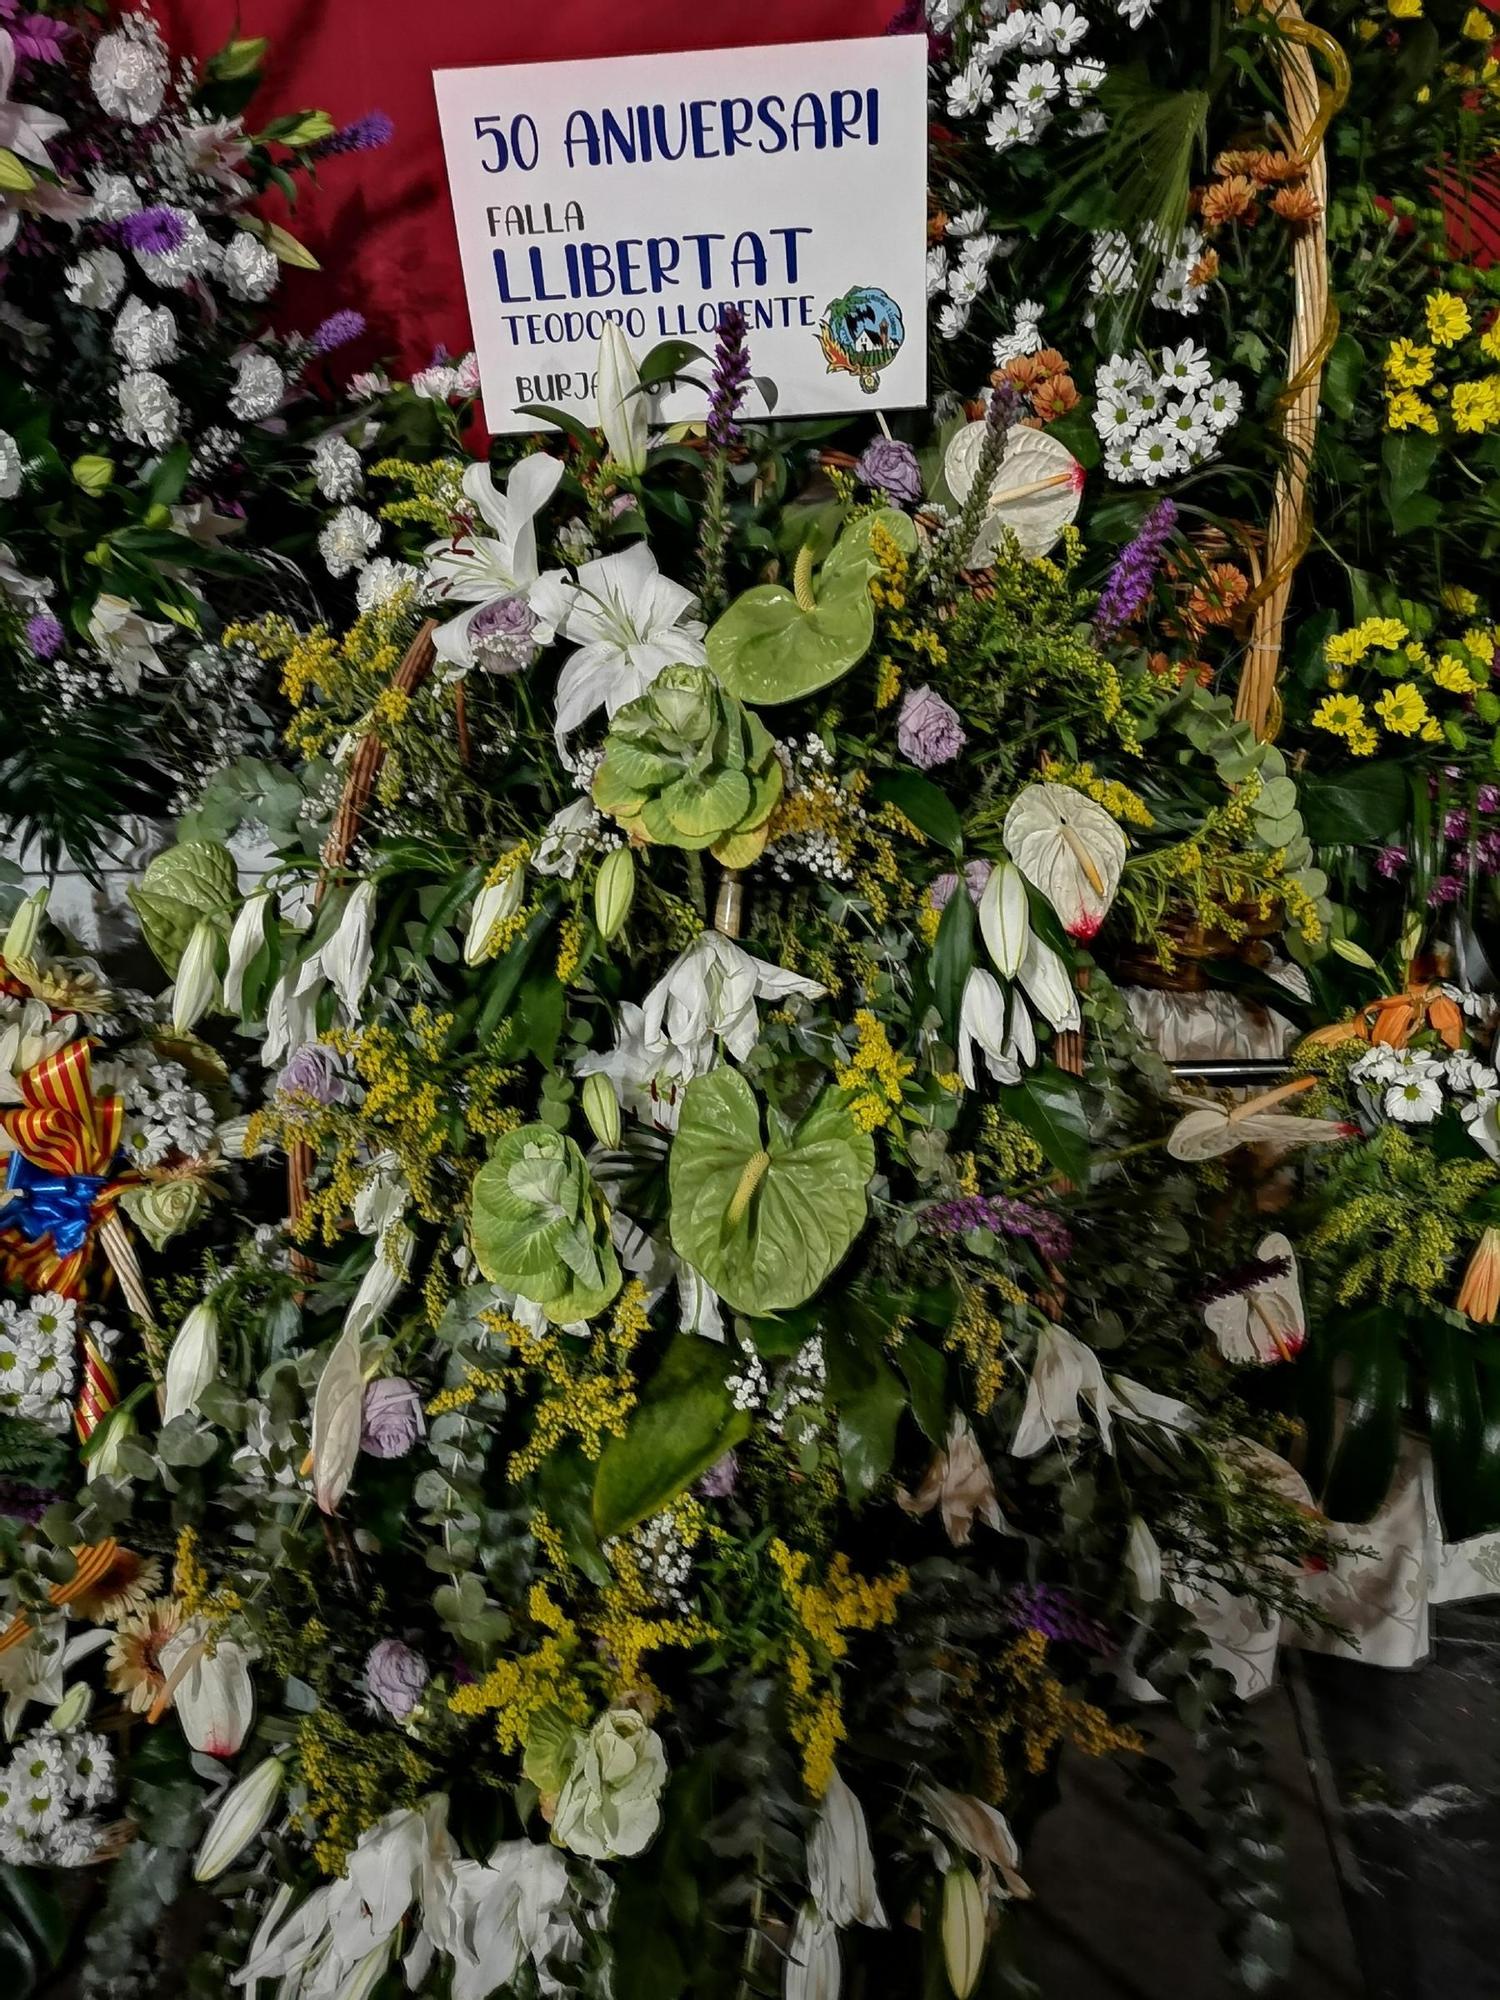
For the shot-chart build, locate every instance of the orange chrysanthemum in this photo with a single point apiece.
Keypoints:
(1229, 200)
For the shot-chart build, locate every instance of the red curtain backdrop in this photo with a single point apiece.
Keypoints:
(379, 223)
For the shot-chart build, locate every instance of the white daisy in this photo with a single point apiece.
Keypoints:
(1220, 403)
(1034, 86)
(1186, 367)
(969, 91)
(1417, 1101)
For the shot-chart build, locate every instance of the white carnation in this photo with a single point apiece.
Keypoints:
(336, 469)
(380, 580)
(96, 280)
(149, 412)
(249, 269)
(144, 336)
(348, 539)
(195, 256)
(12, 466)
(115, 197)
(259, 387)
(130, 71)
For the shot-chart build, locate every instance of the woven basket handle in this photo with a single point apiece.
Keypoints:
(1311, 108)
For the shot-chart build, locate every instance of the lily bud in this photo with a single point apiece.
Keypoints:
(622, 407)
(614, 891)
(246, 941)
(492, 906)
(15, 176)
(211, 1691)
(963, 1931)
(193, 1362)
(25, 928)
(196, 988)
(105, 1462)
(601, 1107)
(1004, 918)
(93, 473)
(238, 59)
(243, 1811)
(73, 1710)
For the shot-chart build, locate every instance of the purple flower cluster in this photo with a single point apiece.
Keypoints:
(364, 135)
(1003, 1215)
(1390, 861)
(1255, 1271)
(337, 331)
(1127, 588)
(45, 635)
(37, 38)
(976, 874)
(25, 1503)
(1056, 1614)
(891, 468)
(731, 377)
(720, 1479)
(157, 231)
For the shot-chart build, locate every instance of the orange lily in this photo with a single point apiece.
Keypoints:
(1479, 1294)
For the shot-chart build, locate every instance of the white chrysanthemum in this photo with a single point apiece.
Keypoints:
(1083, 79)
(149, 412)
(130, 71)
(937, 270)
(96, 280)
(969, 91)
(144, 336)
(164, 1114)
(259, 387)
(249, 269)
(337, 471)
(380, 580)
(1416, 1100)
(348, 539)
(114, 197)
(12, 466)
(436, 384)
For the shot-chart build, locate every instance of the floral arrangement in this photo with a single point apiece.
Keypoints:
(144, 410)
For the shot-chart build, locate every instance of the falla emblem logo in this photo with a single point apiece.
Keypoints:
(861, 334)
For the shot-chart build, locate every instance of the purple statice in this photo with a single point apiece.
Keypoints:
(1487, 847)
(1244, 1277)
(1390, 861)
(21, 1502)
(1487, 799)
(1446, 889)
(1127, 588)
(45, 635)
(731, 377)
(1056, 1614)
(890, 467)
(1456, 823)
(337, 331)
(720, 1479)
(156, 231)
(363, 135)
(1003, 1216)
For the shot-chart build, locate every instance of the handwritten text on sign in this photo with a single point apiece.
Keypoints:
(655, 190)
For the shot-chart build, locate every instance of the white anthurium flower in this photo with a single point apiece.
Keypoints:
(292, 1010)
(483, 570)
(981, 1025)
(813, 1971)
(1048, 985)
(127, 641)
(568, 837)
(28, 1035)
(622, 405)
(1064, 1373)
(709, 994)
(980, 1830)
(1143, 1561)
(627, 621)
(246, 938)
(238, 1818)
(192, 1362)
(840, 1864)
(214, 1697)
(346, 958)
(649, 1074)
(383, 1283)
(698, 1304)
(1005, 918)
(493, 905)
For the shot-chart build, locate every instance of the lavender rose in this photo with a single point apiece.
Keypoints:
(503, 635)
(312, 1072)
(396, 1677)
(891, 468)
(721, 1478)
(928, 729)
(976, 873)
(391, 1419)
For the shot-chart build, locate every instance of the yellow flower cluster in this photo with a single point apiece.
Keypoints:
(826, 1612)
(874, 1074)
(569, 946)
(978, 1334)
(589, 1391)
(437, 499)
(1411, 366)
(1347, 649)
(1042, 1713)
(351, 1777)
(1118, 800)
(517, 1691)
(632, 1621)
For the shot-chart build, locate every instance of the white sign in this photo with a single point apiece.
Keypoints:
(654, 190)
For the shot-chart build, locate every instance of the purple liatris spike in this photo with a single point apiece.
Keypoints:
(731, 376)
(1056, 1614)
(337, 331)
(1127, 589)
(45, 635)
(363, 135)
(1002, 1215)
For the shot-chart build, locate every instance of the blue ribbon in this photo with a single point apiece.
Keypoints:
(48, 1204)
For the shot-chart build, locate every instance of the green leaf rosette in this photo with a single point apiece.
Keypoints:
(686, 766)
(541, 1227)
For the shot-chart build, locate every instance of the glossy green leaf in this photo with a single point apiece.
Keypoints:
(953, 957)
(1364, 802)
(1365, 1459)
(925, 804)
(765, 1217)
(1049, 1104)
(684, 1422)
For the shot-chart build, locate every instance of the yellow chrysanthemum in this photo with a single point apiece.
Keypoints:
(1476, 405)
(1408, 364)
(1447, 318)
(1402, 709)
(1452, 675)
(1339, 714)
(1489, 341)
(1478, 26)
(1460, 601)
(1406, 411)
(1406, 10)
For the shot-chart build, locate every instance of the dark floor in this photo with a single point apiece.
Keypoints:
(1389, 1785)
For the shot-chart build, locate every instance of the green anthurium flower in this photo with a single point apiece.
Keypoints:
(540, 1226)
(685, 765)
(776, 644)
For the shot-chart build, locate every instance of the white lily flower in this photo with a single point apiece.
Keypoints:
(214, 1697)
(980, 1830)
(25, 926)
(813, 1970)
(567, 839)
(192, 1362)
(1143, 1561)
(981, 1025)
(622, 406)
(498, 1913)
(1065, 1372)
(708, 993)
(127, 641)
(1048, 985)
(246, 939)
(649, 1074)
(28, 1035)
(285, 1946)
(37, 1669)
(840, 1864)
(349, 953)
(292, 1010)
(628, 621)
(483, 570)
(1005, 917)
(240, 1815)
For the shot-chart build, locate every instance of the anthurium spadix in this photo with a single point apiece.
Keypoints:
(1004, 919)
